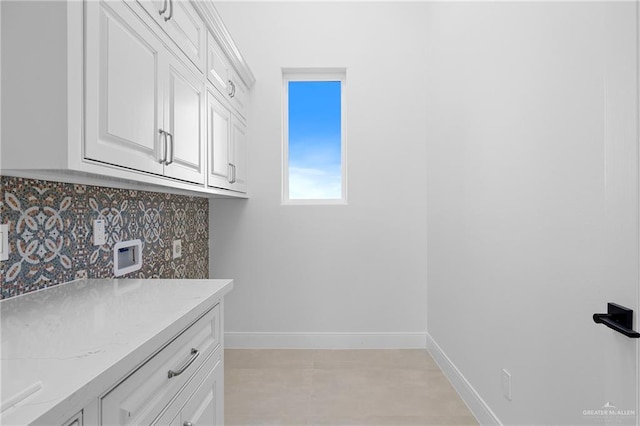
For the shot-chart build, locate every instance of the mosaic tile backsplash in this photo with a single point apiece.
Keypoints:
(51, 227)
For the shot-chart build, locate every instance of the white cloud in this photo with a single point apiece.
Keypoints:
(314, 184)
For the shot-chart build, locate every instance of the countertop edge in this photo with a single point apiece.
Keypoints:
(104, 382)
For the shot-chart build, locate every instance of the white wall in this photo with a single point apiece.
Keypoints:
(521, 117)
(356, 272)
(532, 201)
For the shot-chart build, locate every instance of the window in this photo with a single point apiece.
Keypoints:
(314, 160)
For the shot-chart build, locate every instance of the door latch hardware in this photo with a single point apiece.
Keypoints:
(618, 318)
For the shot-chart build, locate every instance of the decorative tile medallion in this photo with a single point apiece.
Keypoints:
(51, 242)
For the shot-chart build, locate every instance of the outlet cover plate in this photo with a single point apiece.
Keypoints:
(99, 236)
(177, 249)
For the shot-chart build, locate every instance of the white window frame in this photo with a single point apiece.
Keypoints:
(313, 74)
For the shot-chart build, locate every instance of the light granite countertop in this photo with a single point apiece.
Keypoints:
(65, 345)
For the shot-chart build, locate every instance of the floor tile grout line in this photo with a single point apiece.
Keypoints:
(309, 397)
(311, 390)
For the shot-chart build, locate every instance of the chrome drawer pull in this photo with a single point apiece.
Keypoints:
(194, 354)
(186, 423)
(164, 9)
(166, 18)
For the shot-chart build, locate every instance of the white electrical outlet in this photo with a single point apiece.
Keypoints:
(4, 242)
(177, 249)
(99, 236)
(506, 384)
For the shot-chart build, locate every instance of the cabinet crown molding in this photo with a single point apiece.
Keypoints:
(222, 35)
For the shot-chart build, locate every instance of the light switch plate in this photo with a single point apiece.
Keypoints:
(4, 241)
(99, 237)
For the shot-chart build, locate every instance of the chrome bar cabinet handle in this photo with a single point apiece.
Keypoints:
(163, 158)
(194, 355)
(231, 89)
(172, 150)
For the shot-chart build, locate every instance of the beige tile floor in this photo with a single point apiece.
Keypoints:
(338, 387)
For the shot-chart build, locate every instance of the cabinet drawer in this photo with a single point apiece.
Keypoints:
(143, 395)
(205, 407)
(201, 400)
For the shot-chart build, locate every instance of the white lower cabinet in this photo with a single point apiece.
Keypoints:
(181, 372)
(199, 403)
(139, 352)
(75, 420)
(204, 407)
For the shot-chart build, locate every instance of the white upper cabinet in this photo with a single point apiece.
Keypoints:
(224, 78)
(238, 94)
(218, 68)
(239, 155)
(126, 94)
(181, 22)
(144, 107)
(219, 143)
(124, 108)
(226, 141)
(184, 126)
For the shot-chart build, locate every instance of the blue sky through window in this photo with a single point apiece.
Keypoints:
(315, 132)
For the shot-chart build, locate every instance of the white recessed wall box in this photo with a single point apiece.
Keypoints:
(127, 257)
(4, 242)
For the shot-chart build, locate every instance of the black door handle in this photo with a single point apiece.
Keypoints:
(618, 318)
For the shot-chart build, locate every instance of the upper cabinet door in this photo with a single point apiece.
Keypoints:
(239, 155)
(184, 122)
(218, 69)
(123, 99)
(182, 23)
(239, 94)
(187, 29)
(218, 143)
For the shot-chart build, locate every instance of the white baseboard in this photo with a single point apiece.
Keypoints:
(474, 401)
(326, 340)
